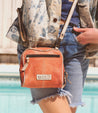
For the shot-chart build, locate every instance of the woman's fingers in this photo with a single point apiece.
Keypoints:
(81, 39)
(79, 29)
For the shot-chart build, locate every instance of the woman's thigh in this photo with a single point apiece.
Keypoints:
(55, 105)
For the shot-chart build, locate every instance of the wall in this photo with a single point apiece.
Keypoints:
(7, 15)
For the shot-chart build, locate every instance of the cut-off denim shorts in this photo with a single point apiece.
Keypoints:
(75, 65)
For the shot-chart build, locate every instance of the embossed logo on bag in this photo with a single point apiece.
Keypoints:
(44, 76)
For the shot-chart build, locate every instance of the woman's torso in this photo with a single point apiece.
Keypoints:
(66, 5)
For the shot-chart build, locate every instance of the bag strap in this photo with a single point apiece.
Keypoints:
(21, 25)
(67, 22)
(68, 19)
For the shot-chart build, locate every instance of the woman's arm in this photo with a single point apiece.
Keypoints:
(88, 35)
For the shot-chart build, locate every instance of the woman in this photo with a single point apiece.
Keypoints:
(53, 99)
(74, 60)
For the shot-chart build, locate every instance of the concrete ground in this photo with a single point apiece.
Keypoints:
(13, 70)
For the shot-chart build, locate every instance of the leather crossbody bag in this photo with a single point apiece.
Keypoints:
(42, 67)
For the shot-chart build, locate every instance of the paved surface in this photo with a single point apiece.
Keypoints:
(14, 68)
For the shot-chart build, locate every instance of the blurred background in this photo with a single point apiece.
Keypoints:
(13, 98)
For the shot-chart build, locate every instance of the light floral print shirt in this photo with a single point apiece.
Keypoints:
(41, 19)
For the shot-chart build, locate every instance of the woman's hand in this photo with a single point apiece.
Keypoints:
(88, 35)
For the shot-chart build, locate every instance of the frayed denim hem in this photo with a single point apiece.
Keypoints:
(60, 92)
(82, 104)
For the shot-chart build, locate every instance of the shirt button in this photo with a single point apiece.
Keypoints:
(55, 20)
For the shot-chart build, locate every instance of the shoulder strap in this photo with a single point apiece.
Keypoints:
(22, 30)
(68, 19)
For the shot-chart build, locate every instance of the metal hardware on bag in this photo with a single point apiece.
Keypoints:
(26, 64)
(32, 42)
(44, 76)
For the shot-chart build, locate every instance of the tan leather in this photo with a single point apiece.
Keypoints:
(42, 68)
(62, 22)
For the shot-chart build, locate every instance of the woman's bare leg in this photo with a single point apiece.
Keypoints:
(57, 104)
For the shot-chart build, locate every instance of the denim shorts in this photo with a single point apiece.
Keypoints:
(75, 65)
